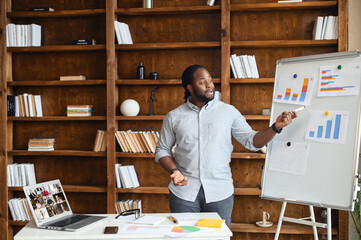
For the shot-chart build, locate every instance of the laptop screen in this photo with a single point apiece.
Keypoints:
(47, 201)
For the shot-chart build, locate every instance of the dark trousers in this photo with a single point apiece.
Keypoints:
(223, 208)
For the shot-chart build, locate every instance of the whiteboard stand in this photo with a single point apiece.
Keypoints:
(304, 221)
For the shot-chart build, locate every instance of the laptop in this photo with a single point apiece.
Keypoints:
(51, 209)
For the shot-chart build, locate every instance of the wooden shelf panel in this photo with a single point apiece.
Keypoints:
(238, 155)
(283, 43)
(154, 82)
(71, 188)
(57, 118)
(167, 46)
(64, 13)
(164, 190)
(251, 80)
(73, 153)
(17, 223)
(282, 6)
(56, 83)
(285, 229)
(58, 48)
(168, 10)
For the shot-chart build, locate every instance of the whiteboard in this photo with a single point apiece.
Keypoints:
(314, 160)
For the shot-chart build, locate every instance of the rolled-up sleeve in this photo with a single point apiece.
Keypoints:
(166, 139)
(243, 132)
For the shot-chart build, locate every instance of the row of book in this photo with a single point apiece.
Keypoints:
(26, 105)
(41, 144)
(79, 110)
(244, 66)
(325, 28)
(19, 175)
(20, 209)
(126, 176)
(100, 144)
(122, 33)
(129, 204)
(18, 35)
(137, 142)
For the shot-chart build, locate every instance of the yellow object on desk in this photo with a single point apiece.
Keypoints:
(209, 222)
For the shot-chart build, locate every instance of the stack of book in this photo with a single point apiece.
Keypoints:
(41, 144)
(26, 105)
(326, 28)
(19, 175)
(124, 205)
(137, 141)
(79, 110)
(122, 33)
(100, 144)
(244, 66)
(126, 176)
(23, 35)
(20, 209)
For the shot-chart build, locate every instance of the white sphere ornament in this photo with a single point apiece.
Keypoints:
(130, 108)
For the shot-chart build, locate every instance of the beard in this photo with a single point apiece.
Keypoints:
(202, 97)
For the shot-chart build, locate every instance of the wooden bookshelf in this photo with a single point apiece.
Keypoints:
(167, 38)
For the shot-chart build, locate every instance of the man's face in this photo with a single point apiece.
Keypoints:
(203, 87)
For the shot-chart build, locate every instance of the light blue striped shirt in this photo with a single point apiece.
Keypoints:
(203, 147)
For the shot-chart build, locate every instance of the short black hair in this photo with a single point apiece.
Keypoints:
(187, 78)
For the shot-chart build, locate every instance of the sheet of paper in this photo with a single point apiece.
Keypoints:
(294, 89)
(339, 80)
(289, 157)
(327, 126)
(143, 219)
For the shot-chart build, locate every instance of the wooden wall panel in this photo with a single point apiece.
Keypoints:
(247, 173)
(20, 5)
(56, 99)
(61, 31)
(80, 169)
(168, 63)
(275, 25)
(161, 3)
(169, 28)
(50, 66)
(83, 203)
(140, 125)
(150, 173)
(69, 135)
(266, 58)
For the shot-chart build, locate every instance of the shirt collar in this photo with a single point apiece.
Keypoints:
(194, 107)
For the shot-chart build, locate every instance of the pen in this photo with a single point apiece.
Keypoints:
(172, 219)
(298, 109)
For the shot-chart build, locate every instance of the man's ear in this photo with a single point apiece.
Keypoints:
(190, 88)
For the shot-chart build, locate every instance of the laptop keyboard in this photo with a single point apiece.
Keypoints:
(69, 221)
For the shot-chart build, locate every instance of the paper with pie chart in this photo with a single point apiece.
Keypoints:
(289, 157)
(294, 89)
(339, 80)
(327, 126)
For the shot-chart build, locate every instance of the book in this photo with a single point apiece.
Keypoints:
(41, 9)
(72, 78)
(209, 222)
(83, 42)
(318, 28)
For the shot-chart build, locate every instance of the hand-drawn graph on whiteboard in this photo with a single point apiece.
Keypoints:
(289, 157)
(327, 126)
(339, 80)
(294, 90)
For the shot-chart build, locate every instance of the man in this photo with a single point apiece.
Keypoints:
(201, 131)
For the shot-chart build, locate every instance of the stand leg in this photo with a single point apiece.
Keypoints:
(329, 224)
(280, 220)
(315, 236)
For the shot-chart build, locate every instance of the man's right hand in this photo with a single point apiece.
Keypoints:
(178, 178)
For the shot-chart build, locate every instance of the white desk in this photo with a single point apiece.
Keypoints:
(96, 231)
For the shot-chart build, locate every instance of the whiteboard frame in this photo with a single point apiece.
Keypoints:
(354, 176)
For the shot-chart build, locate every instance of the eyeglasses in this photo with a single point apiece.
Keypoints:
(136, 213)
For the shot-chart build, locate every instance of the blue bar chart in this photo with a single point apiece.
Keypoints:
(327, 126)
